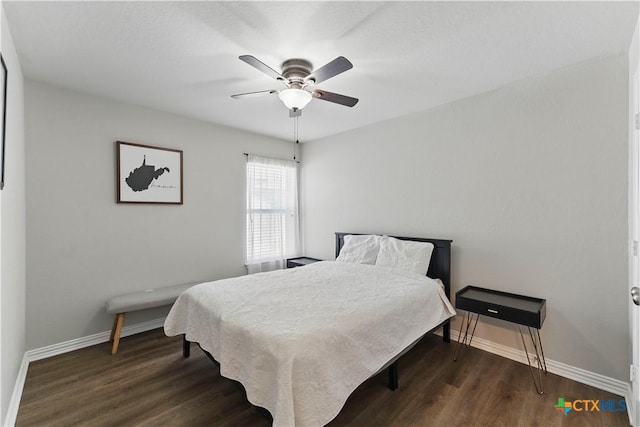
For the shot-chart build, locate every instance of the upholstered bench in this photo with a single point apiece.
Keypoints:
(139, 301)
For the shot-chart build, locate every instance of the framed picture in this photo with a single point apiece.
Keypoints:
(148, 174)
(3, 100)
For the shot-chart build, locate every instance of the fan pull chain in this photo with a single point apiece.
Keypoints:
(295, 136)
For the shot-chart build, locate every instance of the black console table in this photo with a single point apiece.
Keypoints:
(300, 261)
(519, 309)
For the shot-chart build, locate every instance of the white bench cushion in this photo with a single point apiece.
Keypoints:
(145, 299)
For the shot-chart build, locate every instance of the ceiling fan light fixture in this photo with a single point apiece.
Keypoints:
(295, 98)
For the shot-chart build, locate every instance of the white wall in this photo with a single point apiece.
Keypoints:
(83, 247)
(530, 182)
(12, 231)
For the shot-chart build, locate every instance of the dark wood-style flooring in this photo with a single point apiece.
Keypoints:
(148, 383)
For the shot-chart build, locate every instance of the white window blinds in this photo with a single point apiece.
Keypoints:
(272, 212)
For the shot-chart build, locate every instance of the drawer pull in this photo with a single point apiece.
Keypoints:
(490, 310)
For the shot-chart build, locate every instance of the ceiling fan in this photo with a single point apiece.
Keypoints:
(299, 79)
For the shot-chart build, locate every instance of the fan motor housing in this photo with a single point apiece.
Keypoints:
(296, 69)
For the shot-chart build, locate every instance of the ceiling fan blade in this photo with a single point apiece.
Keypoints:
(256, 63)
(347, 101)
(253, 94)
(332, 69)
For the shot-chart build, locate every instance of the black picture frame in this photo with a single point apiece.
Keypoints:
(5, 73)
(148, 174)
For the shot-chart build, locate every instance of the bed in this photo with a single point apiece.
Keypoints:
(302, 340)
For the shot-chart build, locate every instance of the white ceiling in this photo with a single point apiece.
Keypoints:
(182, 57)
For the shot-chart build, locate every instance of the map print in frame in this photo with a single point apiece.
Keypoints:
(148, 174)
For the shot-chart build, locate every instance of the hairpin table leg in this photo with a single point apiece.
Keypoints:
(468, 319)
(539, 356)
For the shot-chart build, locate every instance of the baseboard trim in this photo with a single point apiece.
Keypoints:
(14, 403)
(65, 347)
(583, 376)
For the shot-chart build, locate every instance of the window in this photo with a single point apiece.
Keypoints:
(272, 212)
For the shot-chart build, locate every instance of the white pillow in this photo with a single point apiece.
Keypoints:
(405, 255)
(361, 249)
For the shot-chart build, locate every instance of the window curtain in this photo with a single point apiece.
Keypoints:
(273, 226)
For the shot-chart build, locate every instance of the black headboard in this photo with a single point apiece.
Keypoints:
(440, 265)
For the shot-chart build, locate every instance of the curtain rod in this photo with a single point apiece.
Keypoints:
(297, 161)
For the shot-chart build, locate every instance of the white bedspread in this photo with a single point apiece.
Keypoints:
(302, 340)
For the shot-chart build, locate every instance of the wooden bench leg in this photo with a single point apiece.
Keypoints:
(115, 332)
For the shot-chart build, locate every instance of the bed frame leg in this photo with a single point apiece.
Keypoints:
(186, 347)
(446, 332)
(393, 376)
